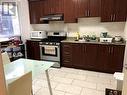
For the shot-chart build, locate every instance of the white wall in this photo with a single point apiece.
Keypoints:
(125, 31)
(124, 92)
(125, 36)
(24, 19)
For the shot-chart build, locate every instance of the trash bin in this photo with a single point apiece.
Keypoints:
(119, 77)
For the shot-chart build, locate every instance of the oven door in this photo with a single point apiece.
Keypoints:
(50, 52)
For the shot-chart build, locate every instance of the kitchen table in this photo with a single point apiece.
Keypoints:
(20, 67)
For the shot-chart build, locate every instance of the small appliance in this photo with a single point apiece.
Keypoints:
(108, 40)
(117, 38)
(38, 34)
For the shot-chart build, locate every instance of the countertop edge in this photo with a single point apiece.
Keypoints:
(103, 43)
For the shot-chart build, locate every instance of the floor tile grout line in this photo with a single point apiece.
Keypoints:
(81, 90)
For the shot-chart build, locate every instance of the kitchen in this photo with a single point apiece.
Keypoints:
(84, 26)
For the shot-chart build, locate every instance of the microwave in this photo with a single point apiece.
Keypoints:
(38, 34)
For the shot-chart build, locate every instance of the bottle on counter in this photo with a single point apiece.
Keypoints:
(77, 36)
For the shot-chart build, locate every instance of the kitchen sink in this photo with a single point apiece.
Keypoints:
(87, 40)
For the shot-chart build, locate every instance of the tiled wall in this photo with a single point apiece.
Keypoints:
(86, 26)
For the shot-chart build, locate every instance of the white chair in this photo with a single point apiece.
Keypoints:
(22, 86)
(5, 58)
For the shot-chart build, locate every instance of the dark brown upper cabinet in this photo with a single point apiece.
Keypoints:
(53, 7)
(108, 10)
(120, 10)
(36, 11)
(88, 8)
(40, 8)
(113, 10)
(75, 9)
(70, 11)
(94, 8)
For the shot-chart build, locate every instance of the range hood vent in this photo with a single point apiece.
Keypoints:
(52, 17)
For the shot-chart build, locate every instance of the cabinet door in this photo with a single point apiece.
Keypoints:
(33, 50)
(81, 8)
(94, 8)
(77, 55)
(120, 10)
(117, 57)
(103, 58)
(57, 6)
(66, 51)
(47, 5)
(36, 50)
(53, 6)
(90, 56)
(28, 49)
(35, 12)
(69, 11)
(107, 10)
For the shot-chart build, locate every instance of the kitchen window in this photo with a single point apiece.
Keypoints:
(9, 21)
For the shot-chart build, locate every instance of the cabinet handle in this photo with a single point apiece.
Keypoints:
(109, 50)
(86, 13)
(114, 17)
(112, 50)
(85, 49)
(111, 17)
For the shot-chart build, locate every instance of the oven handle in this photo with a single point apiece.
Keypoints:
(49, 45)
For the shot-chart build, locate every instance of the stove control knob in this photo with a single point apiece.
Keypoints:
(51, 43)
(46, 43)
(57, 43)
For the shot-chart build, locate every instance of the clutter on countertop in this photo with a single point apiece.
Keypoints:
(14, 47)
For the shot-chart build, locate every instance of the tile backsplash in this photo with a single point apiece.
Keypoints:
(85, 26)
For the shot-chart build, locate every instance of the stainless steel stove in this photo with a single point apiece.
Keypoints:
(50, 47)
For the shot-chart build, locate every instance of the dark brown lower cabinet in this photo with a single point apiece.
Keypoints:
(77, 55)
(90, 56)
(117, 57)
(33, 49)
(97, 57)
(66, 55)
(111, 56)
(103, 58)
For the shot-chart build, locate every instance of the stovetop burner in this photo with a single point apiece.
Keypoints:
(53, 39)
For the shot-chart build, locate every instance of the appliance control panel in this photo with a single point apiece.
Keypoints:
(49, 43)
(109, 40)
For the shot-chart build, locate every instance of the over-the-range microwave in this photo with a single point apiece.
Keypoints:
(38, 34)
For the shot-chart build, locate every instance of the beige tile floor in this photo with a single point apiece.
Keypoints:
(68, 81)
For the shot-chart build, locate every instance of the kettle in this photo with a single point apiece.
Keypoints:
(117, 38)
